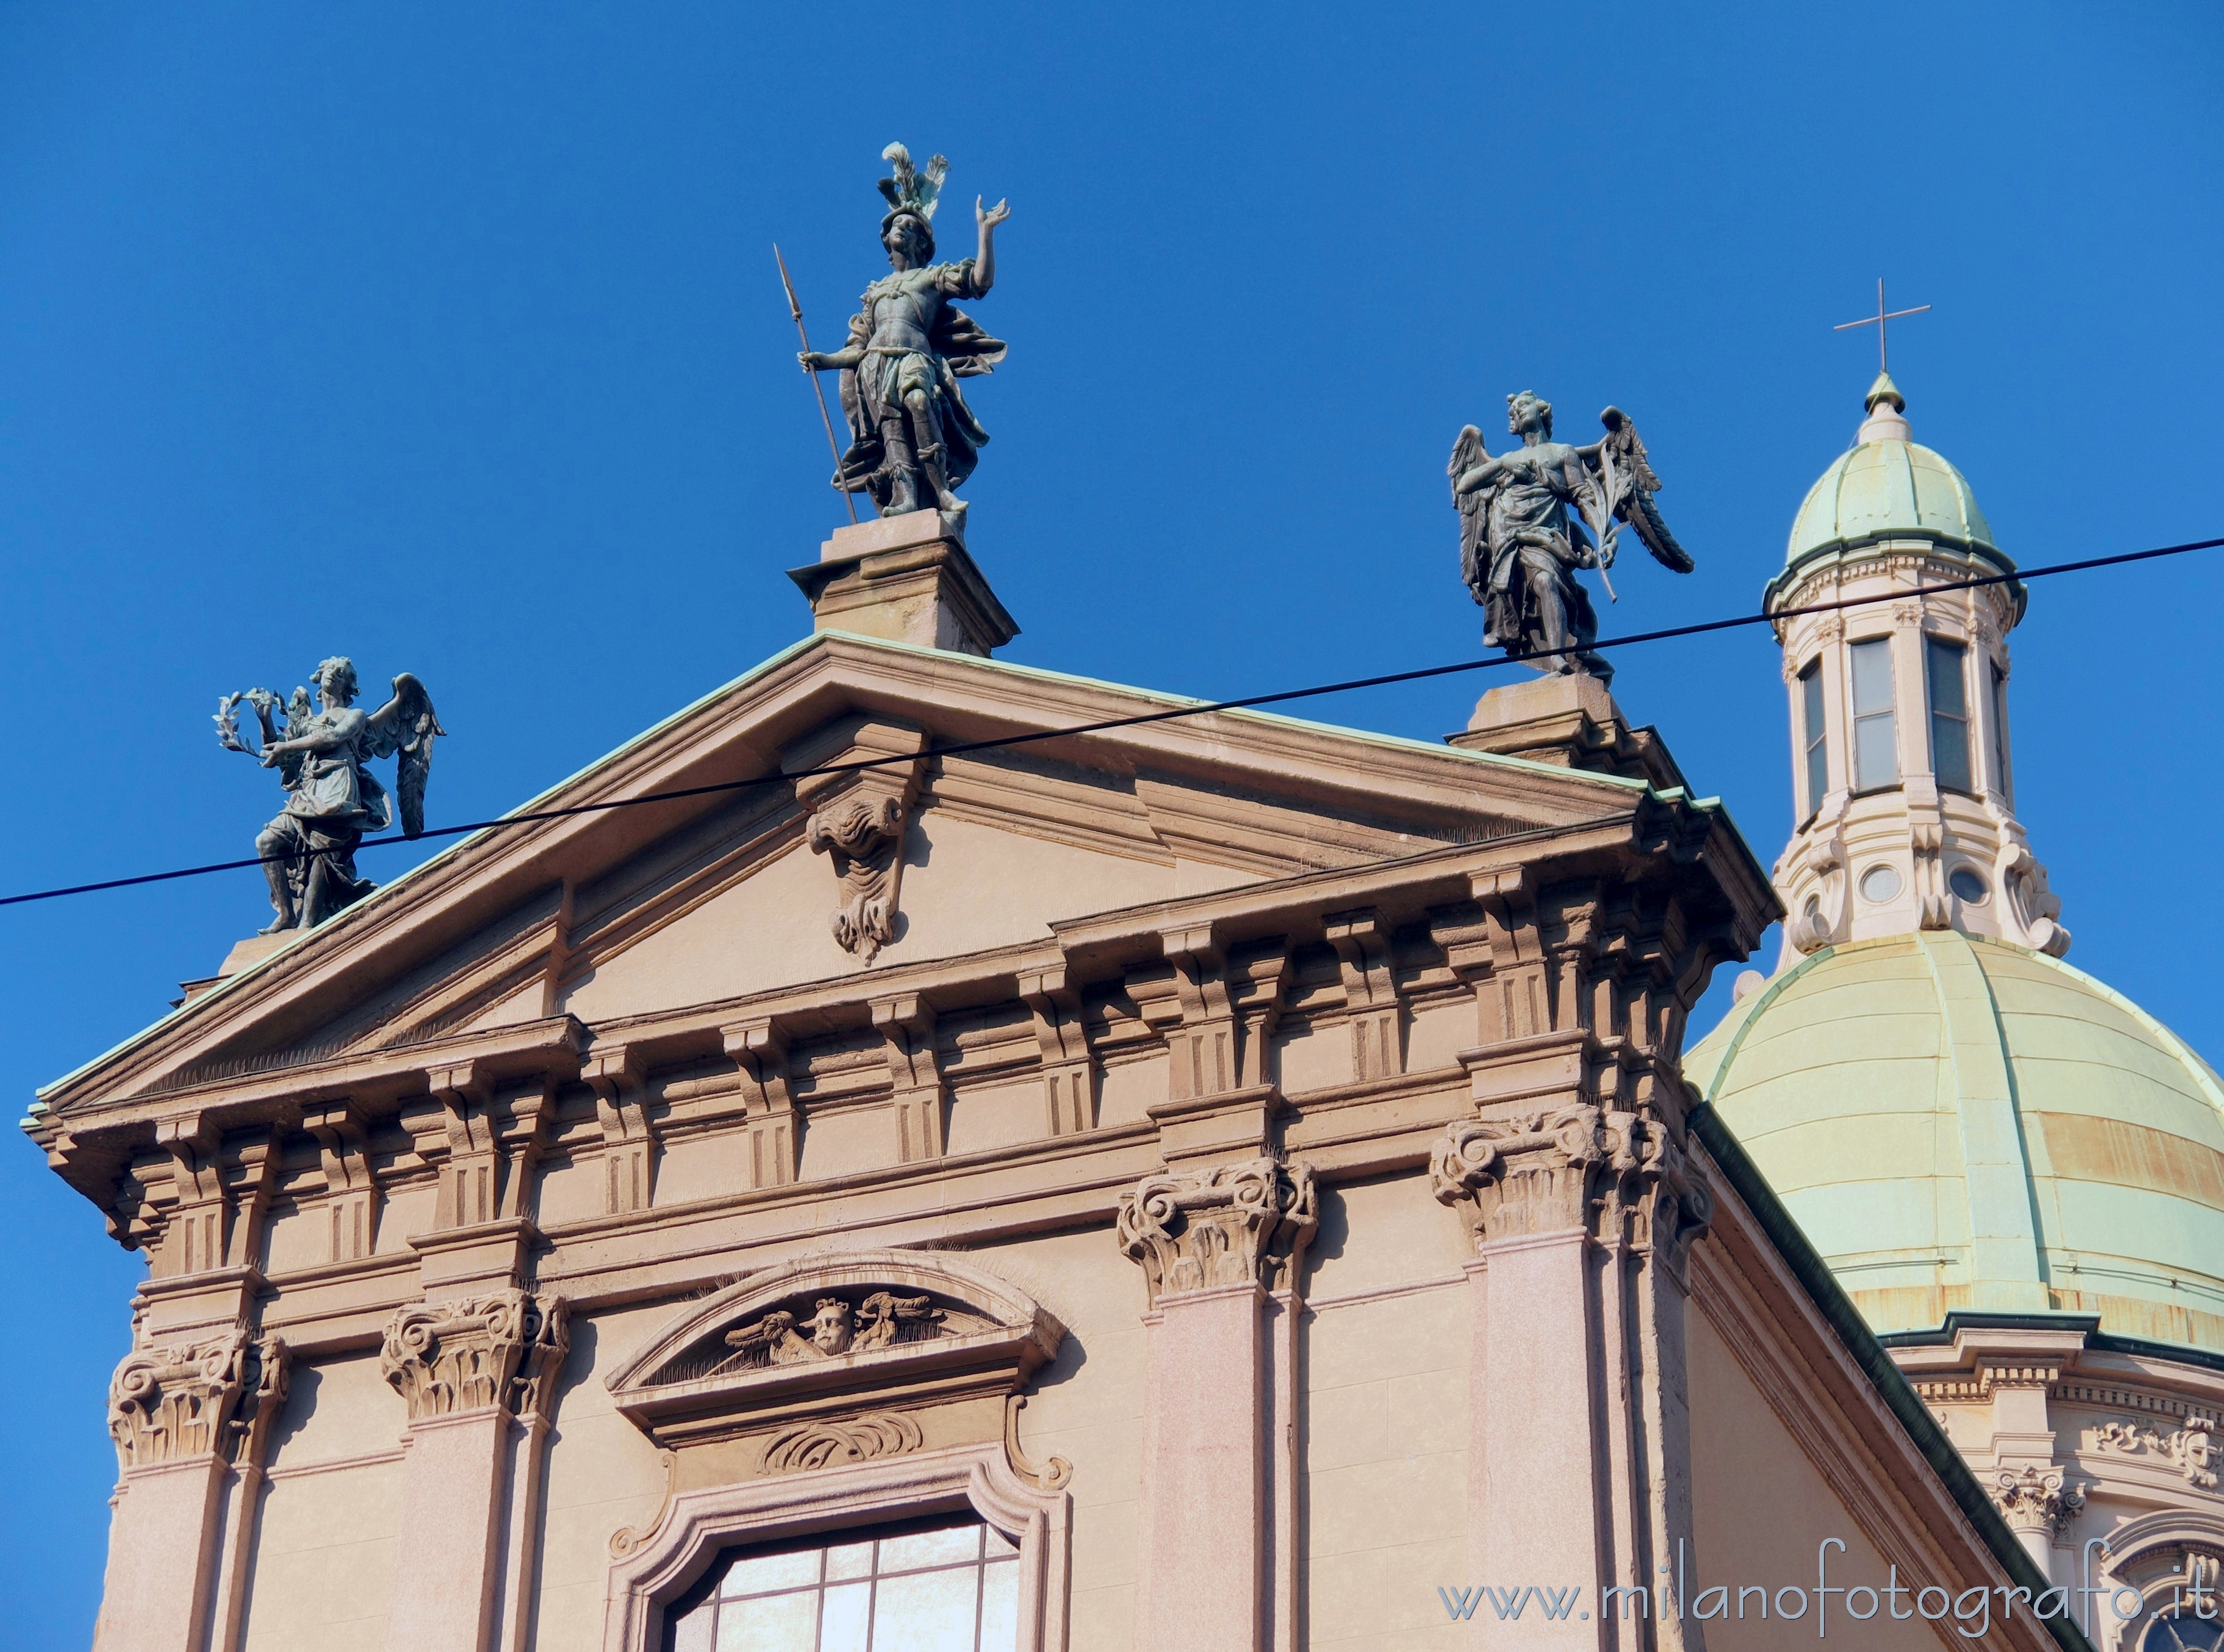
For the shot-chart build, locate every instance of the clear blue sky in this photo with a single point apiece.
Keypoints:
(449, 337)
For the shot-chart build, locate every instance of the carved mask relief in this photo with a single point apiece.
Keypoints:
(857, 820)
(835, 1328)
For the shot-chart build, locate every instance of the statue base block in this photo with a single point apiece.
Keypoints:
(244, 954)
(908, 579)
(1568, 719)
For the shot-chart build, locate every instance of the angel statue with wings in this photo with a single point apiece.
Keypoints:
(912, 439)
(332, 799)
(1520, 548)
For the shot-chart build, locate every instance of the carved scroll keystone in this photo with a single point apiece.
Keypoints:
(206, 1398)
(759, 1048)
(618, 1077)
(1227, 1225)
(858, 819)
(502, 1348)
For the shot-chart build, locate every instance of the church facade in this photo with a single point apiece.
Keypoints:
(1212, 1181)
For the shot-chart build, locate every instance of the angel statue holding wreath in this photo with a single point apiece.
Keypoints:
(332, 800)
(913, 439)
(1520, 548)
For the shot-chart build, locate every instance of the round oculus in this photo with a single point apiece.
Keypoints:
(1880, 883)
(1968, 887)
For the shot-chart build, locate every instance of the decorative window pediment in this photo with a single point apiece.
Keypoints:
(813, 1340)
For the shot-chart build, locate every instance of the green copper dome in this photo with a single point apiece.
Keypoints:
(1958, 1123)
(1886, 486)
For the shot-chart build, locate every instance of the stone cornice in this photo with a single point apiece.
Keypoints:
(1300, 905)
(741, 728)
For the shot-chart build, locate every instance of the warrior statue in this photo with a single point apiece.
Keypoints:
(1518, 547)
(912, 439)
(332, 799)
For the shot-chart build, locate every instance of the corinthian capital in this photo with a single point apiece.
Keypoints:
(1225, 1226)
(2036, 1499)
(1616, 1175)
(204, 1398)
(475, 1352)
(1528, 1173)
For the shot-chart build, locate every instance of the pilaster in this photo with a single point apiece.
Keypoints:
(1220, 1443)
(466, 1368)
(189, 1422)
(1578, 1451)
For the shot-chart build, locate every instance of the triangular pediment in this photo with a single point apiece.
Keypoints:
(614, 913)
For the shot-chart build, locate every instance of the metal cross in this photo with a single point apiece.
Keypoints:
(1878, 321)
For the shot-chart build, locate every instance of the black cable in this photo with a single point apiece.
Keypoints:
(1201, 708)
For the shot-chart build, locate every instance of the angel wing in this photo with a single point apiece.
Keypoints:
(1474, 507)
(407, 724)
(886, 1317)
(1633, 487)
(765, 1337)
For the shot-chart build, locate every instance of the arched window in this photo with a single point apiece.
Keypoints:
(1812, 734)
(1876, 753)
(2183, 1631)
(947, 1584)
(1945, 667)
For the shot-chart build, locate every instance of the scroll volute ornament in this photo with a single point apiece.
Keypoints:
(1224, 1225)
(472, 1352)
(204, 1398)
(1619, 1174)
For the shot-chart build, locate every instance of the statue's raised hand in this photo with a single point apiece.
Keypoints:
(989, 217)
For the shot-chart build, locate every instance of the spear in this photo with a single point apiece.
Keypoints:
(795, 309)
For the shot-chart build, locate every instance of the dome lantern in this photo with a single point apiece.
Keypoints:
(1903, 781)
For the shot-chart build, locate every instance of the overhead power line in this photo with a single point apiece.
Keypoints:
(1201, 708)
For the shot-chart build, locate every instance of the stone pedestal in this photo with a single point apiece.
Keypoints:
(909, 579)
(244, 954)
(1570, 720)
